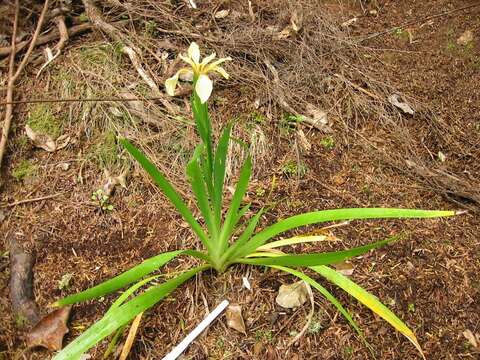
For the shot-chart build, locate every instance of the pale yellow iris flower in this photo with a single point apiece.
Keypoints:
(203, 85)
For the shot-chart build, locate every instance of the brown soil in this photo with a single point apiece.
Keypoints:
(430, 278)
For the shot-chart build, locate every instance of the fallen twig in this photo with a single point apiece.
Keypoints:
(63, 31)
(309, 318)
(25, 201)
(102, 99)
(73, 31)
(13, 76)
(11, 81)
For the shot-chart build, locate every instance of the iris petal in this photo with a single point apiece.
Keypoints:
(194, 52)
(204, 87)
(221, 71)
(171, 84)
(188, 61)
(213, 65)
(209, 58)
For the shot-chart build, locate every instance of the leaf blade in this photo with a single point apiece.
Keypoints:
(121, 280)
(194, 174)
(219, 168)
(336, 215)
(369, 300)
(167, 189)
(122, 315)
(231, 217)
(315, 259)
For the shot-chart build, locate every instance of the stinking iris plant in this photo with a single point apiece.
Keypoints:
(227, 236)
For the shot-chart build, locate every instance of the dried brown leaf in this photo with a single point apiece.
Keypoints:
(50, 330)
(396, 101)
(46, 142)
(131, 337)
(344, 268)
(317, 118)
(466, 38)
(293, 295)
(473, 339)
(42, 141)
(235, 318)
(222, 14)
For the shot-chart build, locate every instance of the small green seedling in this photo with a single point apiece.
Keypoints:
(294, 169)
(328, 142)
(102, 199)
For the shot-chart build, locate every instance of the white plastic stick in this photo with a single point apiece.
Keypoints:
(180, 348)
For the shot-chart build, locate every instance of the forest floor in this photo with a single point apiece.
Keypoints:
(368, 154)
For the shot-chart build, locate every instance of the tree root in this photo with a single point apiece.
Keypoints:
(25, 310)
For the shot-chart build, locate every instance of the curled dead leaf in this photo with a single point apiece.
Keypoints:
(396, 100)
(473, 339)
(317, 118)
(303, 141)
(113, 181)
(344, 268)
(296, 24)
(235, 318)
(222, 14)
(50, 330)
(293, 295)
(349, 22)
(466, 38)
(46, 142)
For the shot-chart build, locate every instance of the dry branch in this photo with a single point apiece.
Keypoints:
(11, 69)
(63, 31)
(73, 31)
(13, 76)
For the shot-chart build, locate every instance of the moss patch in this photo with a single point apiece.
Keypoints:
(24, 170)
(42, 120)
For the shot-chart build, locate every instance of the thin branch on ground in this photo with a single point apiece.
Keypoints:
(24, 307)
(11, 82)
(25, 201)
(309, 318)
(63, 31)
(13, 75)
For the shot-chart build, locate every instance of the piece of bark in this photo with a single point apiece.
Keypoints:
(25, 310)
